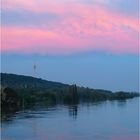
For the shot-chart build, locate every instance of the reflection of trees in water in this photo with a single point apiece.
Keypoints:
(73, 111)
(7, 114)
(121, 103)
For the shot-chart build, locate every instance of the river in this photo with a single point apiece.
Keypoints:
(109, 120)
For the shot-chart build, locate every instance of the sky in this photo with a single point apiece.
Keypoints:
(92, 43)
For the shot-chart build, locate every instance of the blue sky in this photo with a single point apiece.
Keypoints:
(95, 70)
(92, 43)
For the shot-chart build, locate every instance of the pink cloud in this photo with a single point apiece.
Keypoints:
(80, 28)
(42, 41)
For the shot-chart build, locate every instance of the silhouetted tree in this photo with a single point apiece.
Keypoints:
(73, 94)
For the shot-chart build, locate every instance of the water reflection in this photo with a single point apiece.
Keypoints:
(98, 120)
(38, 111)
(73, 111)
(7, 116)
(121, 103)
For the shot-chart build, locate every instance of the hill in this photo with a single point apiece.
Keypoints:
(20, 81)
(16, 89)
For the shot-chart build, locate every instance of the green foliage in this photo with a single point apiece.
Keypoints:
(22, 91)
(9, 99)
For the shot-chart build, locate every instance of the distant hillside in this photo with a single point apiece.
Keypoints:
(28, 82)
(16, 88)
(20, 81)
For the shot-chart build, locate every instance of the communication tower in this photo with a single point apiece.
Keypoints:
(34, 70)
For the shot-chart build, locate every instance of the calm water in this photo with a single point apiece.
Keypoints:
(111, 120)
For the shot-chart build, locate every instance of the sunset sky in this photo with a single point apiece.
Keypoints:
(91, 43)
